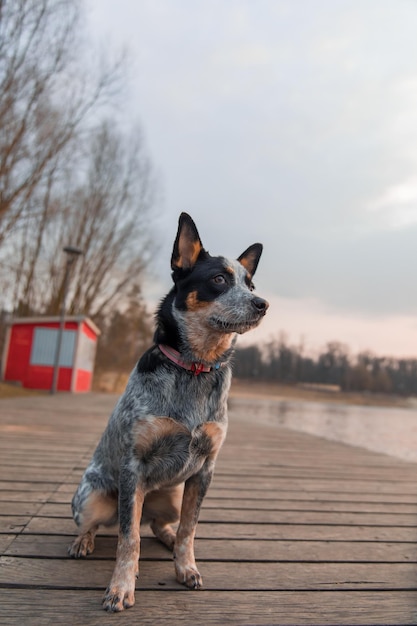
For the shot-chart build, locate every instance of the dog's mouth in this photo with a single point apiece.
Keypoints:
(235, 326)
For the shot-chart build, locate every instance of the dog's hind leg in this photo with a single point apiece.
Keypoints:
(89, 512)
(165, 533)
(162, 508)
(83, 545)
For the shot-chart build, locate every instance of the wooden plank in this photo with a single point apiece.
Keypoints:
(53, 546)
(308, 517)
(54, 448)
(23, 496)
(64, 573)
(278, 516)
(301, 489)
(65, 492)
(28, 485)
(5, 542)
(34, 465)
(291, 494)
(287, 453)
(344, 506)
(78, 608)
(312, 532)
(19, 508)
(280, 503)
(13, 523)
(34, 451)
(63, 504)
(41, 474)
(337, 472)
(310, 483)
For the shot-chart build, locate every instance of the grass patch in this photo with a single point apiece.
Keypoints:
(15, 391)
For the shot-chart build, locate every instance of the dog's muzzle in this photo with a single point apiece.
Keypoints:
(242, 323)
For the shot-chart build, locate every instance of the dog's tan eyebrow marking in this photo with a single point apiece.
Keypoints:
(194, 304)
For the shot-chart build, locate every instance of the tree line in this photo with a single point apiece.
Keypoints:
(278, 361)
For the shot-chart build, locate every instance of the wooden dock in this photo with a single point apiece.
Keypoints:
(295, 529)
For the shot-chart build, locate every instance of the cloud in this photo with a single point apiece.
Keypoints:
(397, 205)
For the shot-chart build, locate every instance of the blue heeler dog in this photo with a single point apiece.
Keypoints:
(155, 460)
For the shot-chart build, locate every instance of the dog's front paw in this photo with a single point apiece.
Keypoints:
(117, 598)
(189, 576)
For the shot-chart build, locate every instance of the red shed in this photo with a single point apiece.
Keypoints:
(29, 352)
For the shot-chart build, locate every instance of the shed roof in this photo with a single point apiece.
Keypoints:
(45, 319)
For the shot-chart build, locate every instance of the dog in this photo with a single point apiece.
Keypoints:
(155, 460)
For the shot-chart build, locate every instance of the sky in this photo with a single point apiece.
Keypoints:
(292, 123)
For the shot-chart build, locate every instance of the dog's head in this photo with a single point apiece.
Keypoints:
(213, 294)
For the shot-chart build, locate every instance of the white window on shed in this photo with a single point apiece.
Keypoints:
(44, 347)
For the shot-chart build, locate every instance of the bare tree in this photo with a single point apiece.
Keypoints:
(39, 114)
(64, 178)
(108, 217)
(102, 206)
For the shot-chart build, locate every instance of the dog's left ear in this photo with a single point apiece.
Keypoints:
(250, 258)
(187, 245)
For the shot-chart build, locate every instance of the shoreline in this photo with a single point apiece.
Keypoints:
(297, 392)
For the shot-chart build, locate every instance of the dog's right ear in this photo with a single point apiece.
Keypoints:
(187, 245)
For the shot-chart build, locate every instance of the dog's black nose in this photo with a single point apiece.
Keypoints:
(260, 304)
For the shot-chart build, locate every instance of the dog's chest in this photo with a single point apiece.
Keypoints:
(168, 452)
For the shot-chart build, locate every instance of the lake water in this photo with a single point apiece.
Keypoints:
(388, 430)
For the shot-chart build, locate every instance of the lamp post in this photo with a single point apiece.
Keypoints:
(72, 254)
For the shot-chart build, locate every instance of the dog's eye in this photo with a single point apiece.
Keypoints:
(219, 279)
(251, 287)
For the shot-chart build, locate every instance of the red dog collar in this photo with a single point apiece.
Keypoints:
(195, 366)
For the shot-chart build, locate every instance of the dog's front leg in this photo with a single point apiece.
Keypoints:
(194, 491)
(120, 594)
